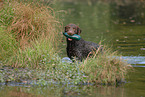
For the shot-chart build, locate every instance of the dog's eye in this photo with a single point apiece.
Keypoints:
(67, 27)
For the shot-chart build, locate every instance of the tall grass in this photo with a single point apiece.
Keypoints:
(106, 68)
(34, 28)
(8, 44)
(35, 56)
(32, 21)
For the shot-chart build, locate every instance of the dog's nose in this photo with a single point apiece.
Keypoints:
(70, 33)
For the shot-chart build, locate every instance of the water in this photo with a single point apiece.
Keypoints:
(119, 25)
(135, 60)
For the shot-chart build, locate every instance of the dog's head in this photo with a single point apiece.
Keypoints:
(72, 29)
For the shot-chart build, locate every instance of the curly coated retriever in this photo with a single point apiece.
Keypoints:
(80, 49)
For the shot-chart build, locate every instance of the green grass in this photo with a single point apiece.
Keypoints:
(8, 44)
(31, 33)
(34, 55)
(106, 68)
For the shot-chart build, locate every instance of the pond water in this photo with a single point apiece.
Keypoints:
(119, 25)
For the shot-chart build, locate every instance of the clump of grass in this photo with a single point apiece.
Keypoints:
(34, 56)
(105, 68)
(35, 30)
(32, 21)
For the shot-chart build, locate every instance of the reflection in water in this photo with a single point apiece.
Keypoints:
(16, 92)
(61, 91)
(130, 40)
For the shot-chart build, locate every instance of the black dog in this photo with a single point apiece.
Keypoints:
(80, 49)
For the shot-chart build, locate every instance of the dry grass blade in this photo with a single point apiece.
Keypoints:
(35, 29)
(32, 22)
(105, 67)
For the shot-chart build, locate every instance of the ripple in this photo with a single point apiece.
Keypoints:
(134, 59)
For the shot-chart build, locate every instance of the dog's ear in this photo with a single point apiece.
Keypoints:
(65, 29)
(79, 31)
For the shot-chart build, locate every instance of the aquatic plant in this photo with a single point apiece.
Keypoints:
(55, 72)
(63, 73)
